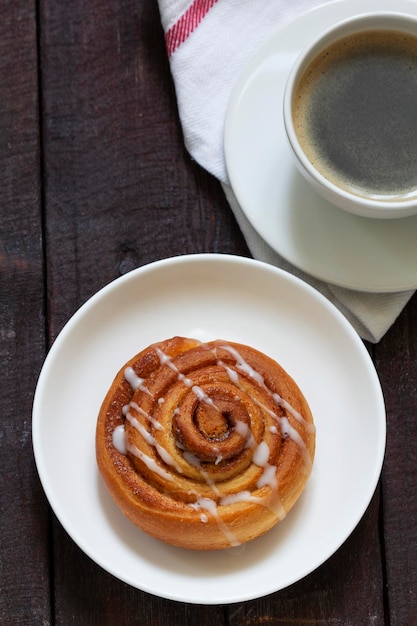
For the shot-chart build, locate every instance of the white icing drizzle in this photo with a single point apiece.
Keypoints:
(261, 458)
(243, 365)
(292, 433)
(207, 504)
(165, 359)
(245, 432)
(139, 409)
(234, 376)
(136, 424)
(296, 437)
(150, 440)
(135, 381)
(202, 396)
(285, 426)
(195, 462)
(241, 496)
(268, 477)
(119, 439)
(149, 462)
(287, 406)
(261, 452)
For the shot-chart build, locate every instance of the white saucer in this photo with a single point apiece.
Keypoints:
(328, 243)
(208, 297)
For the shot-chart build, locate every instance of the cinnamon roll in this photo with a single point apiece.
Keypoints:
(204, 445)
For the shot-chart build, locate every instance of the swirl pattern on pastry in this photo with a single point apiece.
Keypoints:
(204, 445)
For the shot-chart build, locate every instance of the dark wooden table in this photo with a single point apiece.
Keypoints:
(95, 181)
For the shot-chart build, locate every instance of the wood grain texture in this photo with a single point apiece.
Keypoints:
(347, 589)
(99, 184)
(396, 360)
(24, 518)
(120, 189)
(88, 596)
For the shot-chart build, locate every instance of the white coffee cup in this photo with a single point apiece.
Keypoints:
(350, 120)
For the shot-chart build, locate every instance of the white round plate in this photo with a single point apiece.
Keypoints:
(209, 297)
(328, 243)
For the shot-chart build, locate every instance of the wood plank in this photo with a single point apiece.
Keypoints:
(120, 189)
(120, 192)
(396, 358)
(347, 589)
(89, 596)
(24, 520)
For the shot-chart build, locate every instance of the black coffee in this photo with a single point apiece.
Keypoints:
(355, 113)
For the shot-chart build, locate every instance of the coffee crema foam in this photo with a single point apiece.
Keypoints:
(355, 114)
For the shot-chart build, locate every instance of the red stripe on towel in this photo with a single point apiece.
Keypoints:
(188, 22)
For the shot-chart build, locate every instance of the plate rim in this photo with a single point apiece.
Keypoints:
(135, 275)
(243, 78)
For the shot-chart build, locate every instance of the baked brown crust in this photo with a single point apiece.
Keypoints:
(204, 445)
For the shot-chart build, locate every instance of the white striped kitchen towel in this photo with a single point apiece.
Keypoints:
(208, 44)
